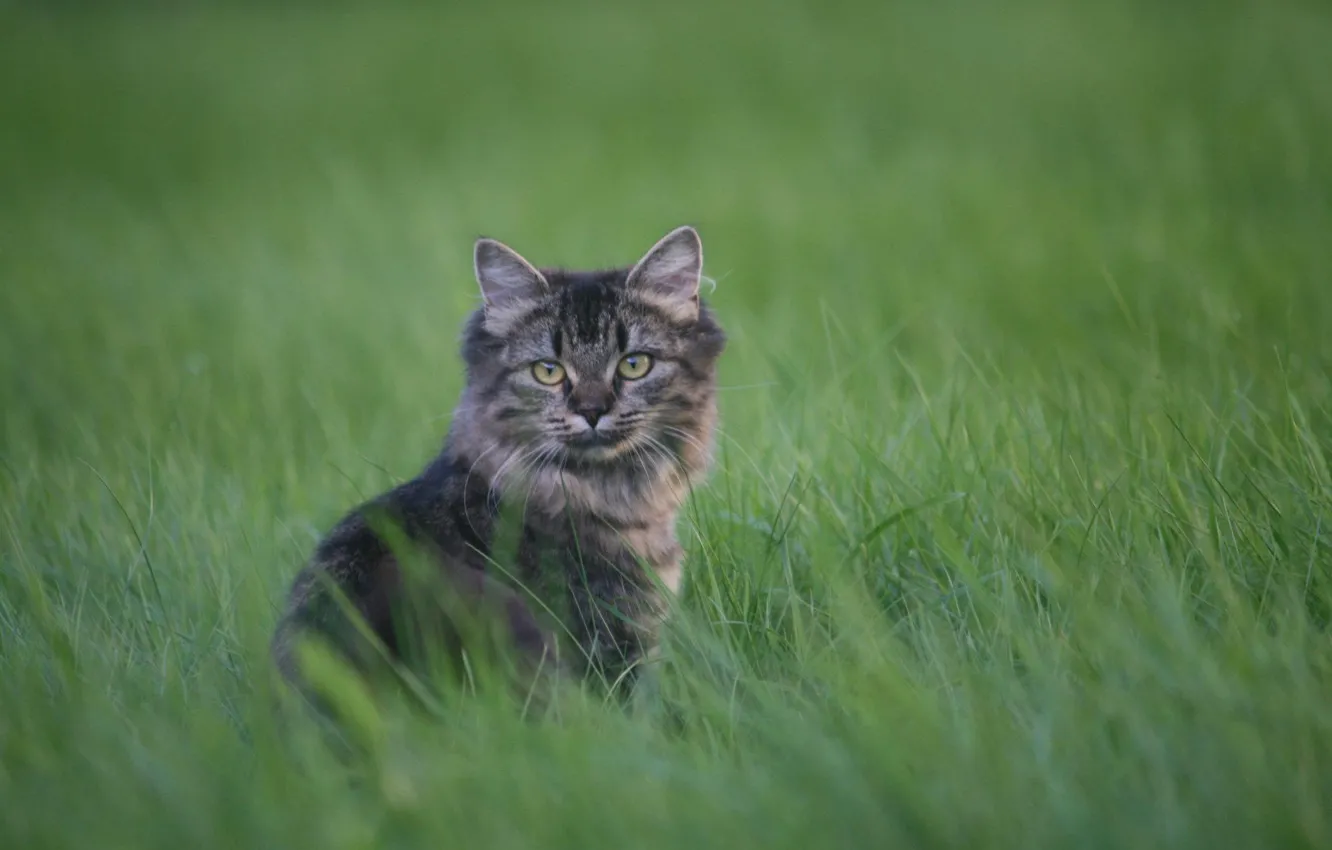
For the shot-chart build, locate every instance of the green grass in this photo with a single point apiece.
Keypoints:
(1020, 534)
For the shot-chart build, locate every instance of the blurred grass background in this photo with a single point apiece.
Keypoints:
(1019, 534)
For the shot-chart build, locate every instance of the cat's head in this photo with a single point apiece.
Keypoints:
(594, 369)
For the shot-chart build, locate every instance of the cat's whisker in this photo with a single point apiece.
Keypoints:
(671, 460)
(772, 490)
(467, 480)
(461, 410)
(681, 434)
(541, 464)
(498, 478)
(641, 457)
(519, 457)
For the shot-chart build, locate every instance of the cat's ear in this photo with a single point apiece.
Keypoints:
(669, 274)
(504, 276)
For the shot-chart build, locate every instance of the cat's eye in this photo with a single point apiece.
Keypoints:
(634, 366)
(548, 372)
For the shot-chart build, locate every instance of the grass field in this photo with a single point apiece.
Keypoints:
(1020, 534)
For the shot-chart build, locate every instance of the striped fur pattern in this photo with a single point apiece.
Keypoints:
(558, 432)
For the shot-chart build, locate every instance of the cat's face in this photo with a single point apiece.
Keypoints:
(590, 369)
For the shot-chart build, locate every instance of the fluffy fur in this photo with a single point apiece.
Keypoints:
(594, 466)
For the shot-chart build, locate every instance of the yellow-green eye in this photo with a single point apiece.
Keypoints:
(634, 366)
(547, 372)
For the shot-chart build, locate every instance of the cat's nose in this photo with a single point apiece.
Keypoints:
(591, 403)
(592, 411)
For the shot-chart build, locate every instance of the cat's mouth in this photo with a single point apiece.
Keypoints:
(597, 444)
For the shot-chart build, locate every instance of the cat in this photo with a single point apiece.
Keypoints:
(588, 414)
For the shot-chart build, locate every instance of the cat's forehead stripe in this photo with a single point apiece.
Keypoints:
(587, 310)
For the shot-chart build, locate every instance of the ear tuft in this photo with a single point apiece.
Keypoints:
(670, 272)
(504, 276)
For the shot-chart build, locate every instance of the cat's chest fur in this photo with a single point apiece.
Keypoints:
(601, 555)
(607, 593)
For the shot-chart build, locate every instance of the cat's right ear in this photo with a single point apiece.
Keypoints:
(505, 278)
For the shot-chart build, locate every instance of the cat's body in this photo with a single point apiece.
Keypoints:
(587, 414)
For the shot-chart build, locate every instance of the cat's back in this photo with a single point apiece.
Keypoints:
(445, 507)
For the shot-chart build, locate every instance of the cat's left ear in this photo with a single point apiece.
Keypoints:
(505, 278)
(669, 274)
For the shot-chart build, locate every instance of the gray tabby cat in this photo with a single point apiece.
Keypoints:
(588, 413)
